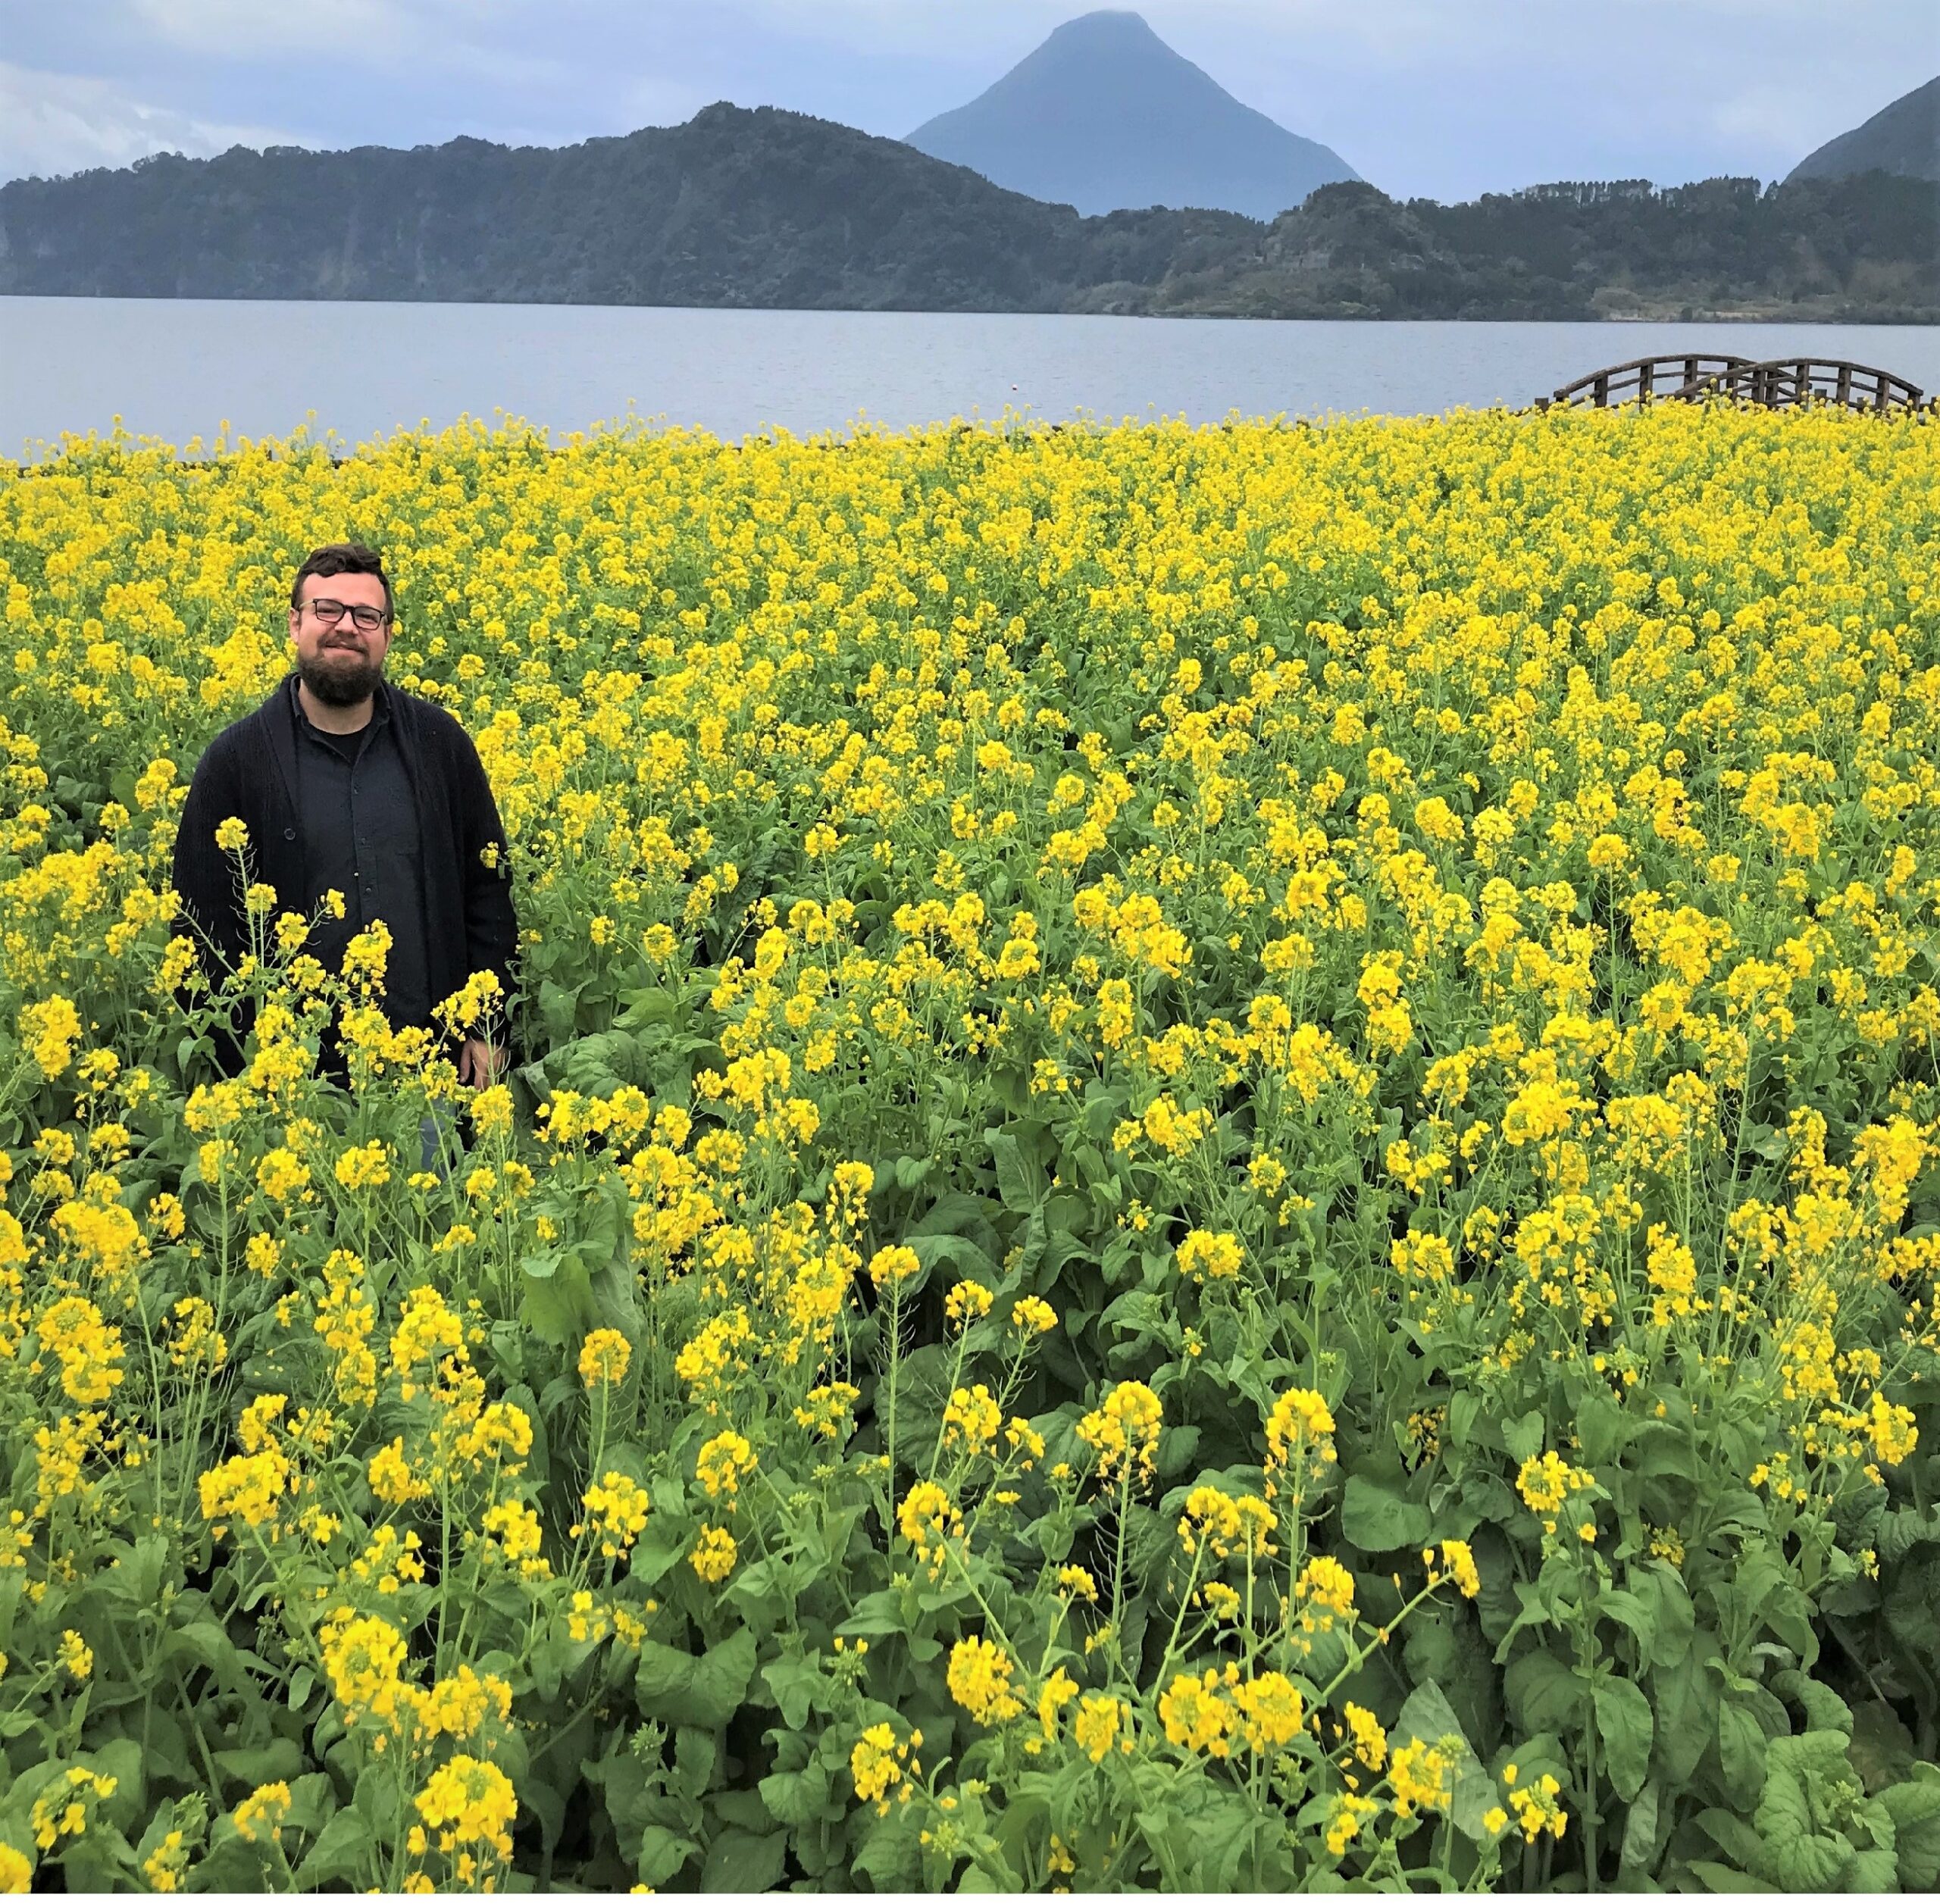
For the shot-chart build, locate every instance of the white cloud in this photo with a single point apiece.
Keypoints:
(244, 29)
(52, 123)
(458, 35)
(502, 44)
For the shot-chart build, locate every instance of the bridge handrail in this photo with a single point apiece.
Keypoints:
(1777, 382)
(1641, 373)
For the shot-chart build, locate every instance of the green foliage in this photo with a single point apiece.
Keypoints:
(770, 209)
(1221, 1175)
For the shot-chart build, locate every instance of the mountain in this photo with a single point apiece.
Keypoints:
(1106, 117)
(735, 208)
(1903, 137)
(770, 209)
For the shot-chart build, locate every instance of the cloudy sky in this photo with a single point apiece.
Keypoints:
(1448, 98)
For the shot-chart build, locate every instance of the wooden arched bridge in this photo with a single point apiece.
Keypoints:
(1777, 382)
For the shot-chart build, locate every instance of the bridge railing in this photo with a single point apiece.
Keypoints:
(1643, 378)
(1782, 382)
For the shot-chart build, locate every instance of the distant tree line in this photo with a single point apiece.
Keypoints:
(769, 208)
(1864, 247)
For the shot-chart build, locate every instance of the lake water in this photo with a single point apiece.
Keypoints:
(178, 368)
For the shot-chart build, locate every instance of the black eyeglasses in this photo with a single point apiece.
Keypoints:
(331, 613)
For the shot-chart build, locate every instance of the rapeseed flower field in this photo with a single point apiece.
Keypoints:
(1220, 1171)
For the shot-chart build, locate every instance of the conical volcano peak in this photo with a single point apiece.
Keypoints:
(1107, 23)
(1105, 116)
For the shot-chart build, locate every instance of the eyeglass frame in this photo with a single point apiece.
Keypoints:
(355, 610)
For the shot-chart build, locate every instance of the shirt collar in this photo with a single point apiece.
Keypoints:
(380, 712)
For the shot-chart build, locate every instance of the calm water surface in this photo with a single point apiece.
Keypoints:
(179, 368)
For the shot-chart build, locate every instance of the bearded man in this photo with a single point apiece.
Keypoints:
(346, 785)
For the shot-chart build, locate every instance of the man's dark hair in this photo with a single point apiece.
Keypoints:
(342, 558)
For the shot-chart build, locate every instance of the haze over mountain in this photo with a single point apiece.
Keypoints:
(1903, 138)
(1106, 117)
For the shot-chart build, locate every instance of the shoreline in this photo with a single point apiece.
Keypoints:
(1894, 316)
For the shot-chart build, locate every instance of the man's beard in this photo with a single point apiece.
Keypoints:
(340, 682)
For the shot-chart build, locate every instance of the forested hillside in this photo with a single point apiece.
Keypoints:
(771, 208)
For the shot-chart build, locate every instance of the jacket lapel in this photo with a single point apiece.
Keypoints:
(281, 722)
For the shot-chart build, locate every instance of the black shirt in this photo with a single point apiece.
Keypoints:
(362, 837)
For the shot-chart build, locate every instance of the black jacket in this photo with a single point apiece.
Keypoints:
(249, 771)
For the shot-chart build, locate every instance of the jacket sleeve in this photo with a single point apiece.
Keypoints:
(203, 876)
(491, 927)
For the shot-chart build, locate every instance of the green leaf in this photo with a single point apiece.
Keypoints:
(312, 1800)
(877, 1614)
(694, 1758)
(1429, 1717)
(1444, 1644)
(121, 1759)
(1882, 1750)
(1524, 1439)
(281, 1758)
(135, 1577)
(740, 1860)
(1903, 1530)
(959, 1252)
(658, 1550)
(1625, 1726)
(1914, 1809)
(891, 1856)
(1543, 1694)
(1741, 1746)
(1639, 1851)
(1629, 1610)
(1873, 1869)
(1825, 1711)
(1911, 1603)
(663, 1853)
(1660, 1590)
(797, 1798)
(378, 1800)
(340, 1852)
(743, 1810)
(557, 1007)
(231, 1865)
(1722, 1878)
(1602, 1429)
(797, 1682)
(1377, 1521)
(557, 1303)
(1021, 1181)
(1686, 1702)
(678, 1688)
(549, 1807)
(1809, 1861)
(1734, 1837)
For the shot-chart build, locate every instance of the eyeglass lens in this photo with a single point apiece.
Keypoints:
(364, 618)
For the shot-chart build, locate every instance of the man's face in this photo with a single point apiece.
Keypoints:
(340, 663)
